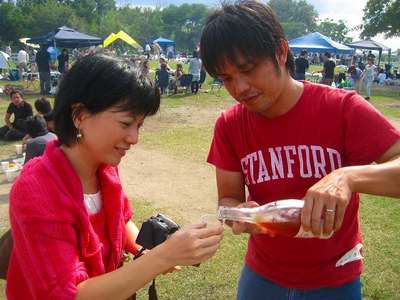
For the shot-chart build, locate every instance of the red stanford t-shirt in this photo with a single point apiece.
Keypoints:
(281, 158)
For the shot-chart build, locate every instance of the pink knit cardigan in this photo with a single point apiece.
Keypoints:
(55, 245)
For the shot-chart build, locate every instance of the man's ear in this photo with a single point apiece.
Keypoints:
(282, 52)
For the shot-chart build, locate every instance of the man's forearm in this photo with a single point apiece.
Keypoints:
(231, 202)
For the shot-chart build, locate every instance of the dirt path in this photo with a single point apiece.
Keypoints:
(180, 188)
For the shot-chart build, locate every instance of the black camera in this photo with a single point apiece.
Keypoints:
(155, 231)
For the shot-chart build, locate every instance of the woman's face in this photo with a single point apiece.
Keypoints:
(108, 135)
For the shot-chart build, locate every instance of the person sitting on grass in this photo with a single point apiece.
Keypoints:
(69, 215)
(39, 137)
(42, 106)
(21, 110)
(50, 121)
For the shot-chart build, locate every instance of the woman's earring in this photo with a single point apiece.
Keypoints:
(79, 134)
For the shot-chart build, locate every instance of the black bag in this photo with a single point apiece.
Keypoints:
(6, 245)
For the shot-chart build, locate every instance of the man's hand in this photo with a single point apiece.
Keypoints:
(325, 203)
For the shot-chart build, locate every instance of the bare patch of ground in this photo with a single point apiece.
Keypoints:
(179, 188)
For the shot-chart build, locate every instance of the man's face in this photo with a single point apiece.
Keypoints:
(16, 99)
(256, 84)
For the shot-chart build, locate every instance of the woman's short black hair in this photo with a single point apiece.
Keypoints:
(36, 126)
(248, 28)
(42, 105)
(98, 83)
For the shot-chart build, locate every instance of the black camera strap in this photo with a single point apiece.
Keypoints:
(152, 289)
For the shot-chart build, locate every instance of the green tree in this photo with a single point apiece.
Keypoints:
(11, 21)
(381, 17)
(92, 10)
(297, 17)
(184, 23)
(48, 16)
(337, 31)
(143, 24)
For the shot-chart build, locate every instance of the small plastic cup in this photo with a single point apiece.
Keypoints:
(5, 165)
(211, 220)
(10, 176)
(18, 149)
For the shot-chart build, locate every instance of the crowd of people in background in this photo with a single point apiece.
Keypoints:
(354, 72)
(168, 79)
(35, 131)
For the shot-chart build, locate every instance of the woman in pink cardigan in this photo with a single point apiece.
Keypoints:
(68, 212)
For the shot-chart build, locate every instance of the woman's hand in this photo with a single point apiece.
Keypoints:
(192, 245)
(325, 203)
(172, 270)
(241, 227)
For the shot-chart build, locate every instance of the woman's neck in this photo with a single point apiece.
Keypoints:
(87, 171)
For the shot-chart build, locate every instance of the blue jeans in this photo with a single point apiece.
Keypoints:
(253, 286)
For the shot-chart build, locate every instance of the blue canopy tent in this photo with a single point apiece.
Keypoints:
(317, 42)
(164, 43)
(65, 37)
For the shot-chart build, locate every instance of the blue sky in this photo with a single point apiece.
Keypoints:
(349, 11)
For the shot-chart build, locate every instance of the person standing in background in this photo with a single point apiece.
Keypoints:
(63, 61)
(195, 70)
(43, 64)
(368, 76)
(328, 71)
(355, 77)
(301, 65)
(22, 62)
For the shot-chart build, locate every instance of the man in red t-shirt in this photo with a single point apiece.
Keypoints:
(293, 139)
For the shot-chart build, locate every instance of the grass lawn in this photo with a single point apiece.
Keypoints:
(184, 129)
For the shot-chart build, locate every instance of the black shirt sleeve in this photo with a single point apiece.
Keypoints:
(11, 108)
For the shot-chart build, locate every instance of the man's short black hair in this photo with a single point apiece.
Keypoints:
(42, 105)
(248, 28)
(97, 83)
(13, 92)
(49, 117)
(36, 126)
(327, 54)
